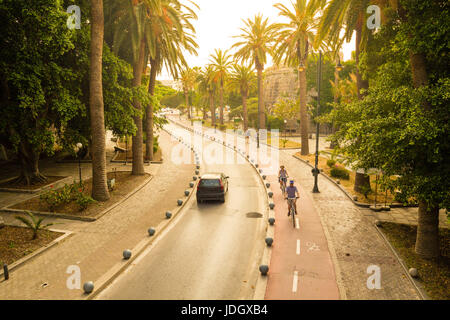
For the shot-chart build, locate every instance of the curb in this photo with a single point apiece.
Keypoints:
(77, 218)
(39, 251)
(359, 204)
(104, 281)
(28, 191)
(422, 295)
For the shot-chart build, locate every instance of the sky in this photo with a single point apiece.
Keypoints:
(219, 20)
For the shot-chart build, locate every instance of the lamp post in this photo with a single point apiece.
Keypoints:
(79, 146)
(316, 163)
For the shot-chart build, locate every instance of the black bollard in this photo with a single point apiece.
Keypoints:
(5, 271)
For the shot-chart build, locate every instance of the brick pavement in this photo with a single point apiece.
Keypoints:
(353, 240)
(97, 246)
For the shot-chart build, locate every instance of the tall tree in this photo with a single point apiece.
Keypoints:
(292, 47)
(221, 63)
(99, 180)
(257, 38)
(208, 85)
(171, 34)
(188, 78)
(242, 79)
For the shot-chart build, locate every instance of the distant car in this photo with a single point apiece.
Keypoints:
(212, 186)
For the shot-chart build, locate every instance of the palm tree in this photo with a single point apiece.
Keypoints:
(130, 20)
(208, 85)
(292, 47)
(188, 78)
(256, 42)
(170, 34)
(350, 15)
(99, 179)
(220, 61)
(242, 79)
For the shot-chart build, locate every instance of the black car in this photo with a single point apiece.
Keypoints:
(212, 186)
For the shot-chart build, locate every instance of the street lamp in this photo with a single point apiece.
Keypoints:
(339, 66)
(301, 67)
(79, 146)
(315, 171)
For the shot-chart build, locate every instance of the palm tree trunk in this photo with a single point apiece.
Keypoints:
(213, 109)
(186, 98)
(261, 113)
(361, 84)
(99, 179)
(303, 113)
(154, 64)
(138, 155)
(244, 110)
(361, 180)
(427, 241)
(221, 104)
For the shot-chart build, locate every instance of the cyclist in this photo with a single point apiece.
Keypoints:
(292, 195)
(282, 178)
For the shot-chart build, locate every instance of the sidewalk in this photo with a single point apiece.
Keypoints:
(97, 246)
(353, 241)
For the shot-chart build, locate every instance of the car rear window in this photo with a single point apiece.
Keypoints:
(210, 183)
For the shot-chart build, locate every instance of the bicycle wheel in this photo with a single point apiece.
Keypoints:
(293, 215)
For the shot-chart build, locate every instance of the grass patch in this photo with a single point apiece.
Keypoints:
(287, 144)
(125, 183)
(349, 184)
(15, 242)
(433, 275)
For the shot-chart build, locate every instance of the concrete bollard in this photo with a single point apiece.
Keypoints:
(264, 177)
(168, 214)
(197, 172)
(186, 193)
(88, 287)
(270, 194)
(271, 205)
(151, 232)
(126, 254)
(413, 272)
(179, 202)
(264, 269)
(194, 178)
(269, 241)
(271, 221)
(191, 184)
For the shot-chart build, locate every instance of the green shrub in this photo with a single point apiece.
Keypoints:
(339, 172)
(64, 195)
(34, 223)
(83, 201)
(222, 127)
(331, 162)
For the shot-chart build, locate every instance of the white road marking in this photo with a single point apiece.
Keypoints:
(295, 282)
(298, 247)
(297, 224)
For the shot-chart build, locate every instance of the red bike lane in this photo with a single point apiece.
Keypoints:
(301, 267)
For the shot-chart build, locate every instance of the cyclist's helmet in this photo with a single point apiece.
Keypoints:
(291, 182)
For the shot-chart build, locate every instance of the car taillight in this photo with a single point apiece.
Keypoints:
(198, 185)
(221, 185)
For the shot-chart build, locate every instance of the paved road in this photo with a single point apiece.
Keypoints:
(211, 251)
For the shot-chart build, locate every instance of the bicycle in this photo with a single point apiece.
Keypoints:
(292, 210)
(283, 185)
